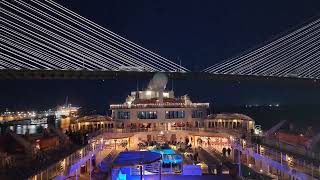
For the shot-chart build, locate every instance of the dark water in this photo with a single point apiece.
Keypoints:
(30, 128)
(301, 116)
(25, 126)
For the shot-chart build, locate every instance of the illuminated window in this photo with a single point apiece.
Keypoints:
(166, 95)
(147, 115)
(123, 115)
(197, 114)
(175, 114)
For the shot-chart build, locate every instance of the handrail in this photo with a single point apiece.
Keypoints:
(275, 155)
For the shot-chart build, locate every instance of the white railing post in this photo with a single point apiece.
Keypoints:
(76, 174)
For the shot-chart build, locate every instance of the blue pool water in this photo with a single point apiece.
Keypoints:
(169, 156)
(164, 151)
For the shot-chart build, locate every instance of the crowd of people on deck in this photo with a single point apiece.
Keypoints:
(226, 152)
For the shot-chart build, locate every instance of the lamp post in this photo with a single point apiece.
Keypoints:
(141, 175)
(239, 163)
(160, 166)
(76, 174)
(115, 144)
(90, 167)
(160, 169)
(281, 164)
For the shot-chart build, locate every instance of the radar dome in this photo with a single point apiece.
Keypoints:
(158, 82)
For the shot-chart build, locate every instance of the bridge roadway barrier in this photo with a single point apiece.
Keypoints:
(142, 75)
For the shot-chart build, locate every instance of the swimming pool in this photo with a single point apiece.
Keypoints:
(168, 156)
(164, 151)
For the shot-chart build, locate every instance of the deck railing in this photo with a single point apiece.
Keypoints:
(235, 132)
(288, 160)
(160, 105)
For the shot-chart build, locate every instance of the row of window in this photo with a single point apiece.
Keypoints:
(225, 124)
(175, 114)
(96, 126)
(147, 115)
(153, 114)
(197, 114)
(123, 115)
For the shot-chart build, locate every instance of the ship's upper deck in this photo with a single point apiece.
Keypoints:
(159, 105)
(156, 96)
(152, 99)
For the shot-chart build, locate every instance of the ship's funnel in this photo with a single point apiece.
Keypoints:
(158, 82)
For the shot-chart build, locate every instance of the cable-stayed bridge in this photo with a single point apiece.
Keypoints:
(294, 55)
(43, 35)
(44, 40)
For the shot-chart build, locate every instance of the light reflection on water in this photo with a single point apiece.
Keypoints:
(32, 128)
(25, 127)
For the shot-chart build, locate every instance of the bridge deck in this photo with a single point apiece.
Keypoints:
(129, 75)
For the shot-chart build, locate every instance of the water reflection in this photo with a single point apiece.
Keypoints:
(26, 126)
(31, 128)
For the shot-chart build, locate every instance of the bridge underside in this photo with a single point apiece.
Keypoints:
(126, 75)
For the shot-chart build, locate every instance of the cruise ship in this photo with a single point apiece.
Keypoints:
(155, 134)
(159, 114)
(66, 111)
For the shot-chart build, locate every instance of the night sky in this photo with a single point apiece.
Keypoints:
(199, 33)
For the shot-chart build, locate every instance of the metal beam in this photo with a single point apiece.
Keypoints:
(10, 74)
